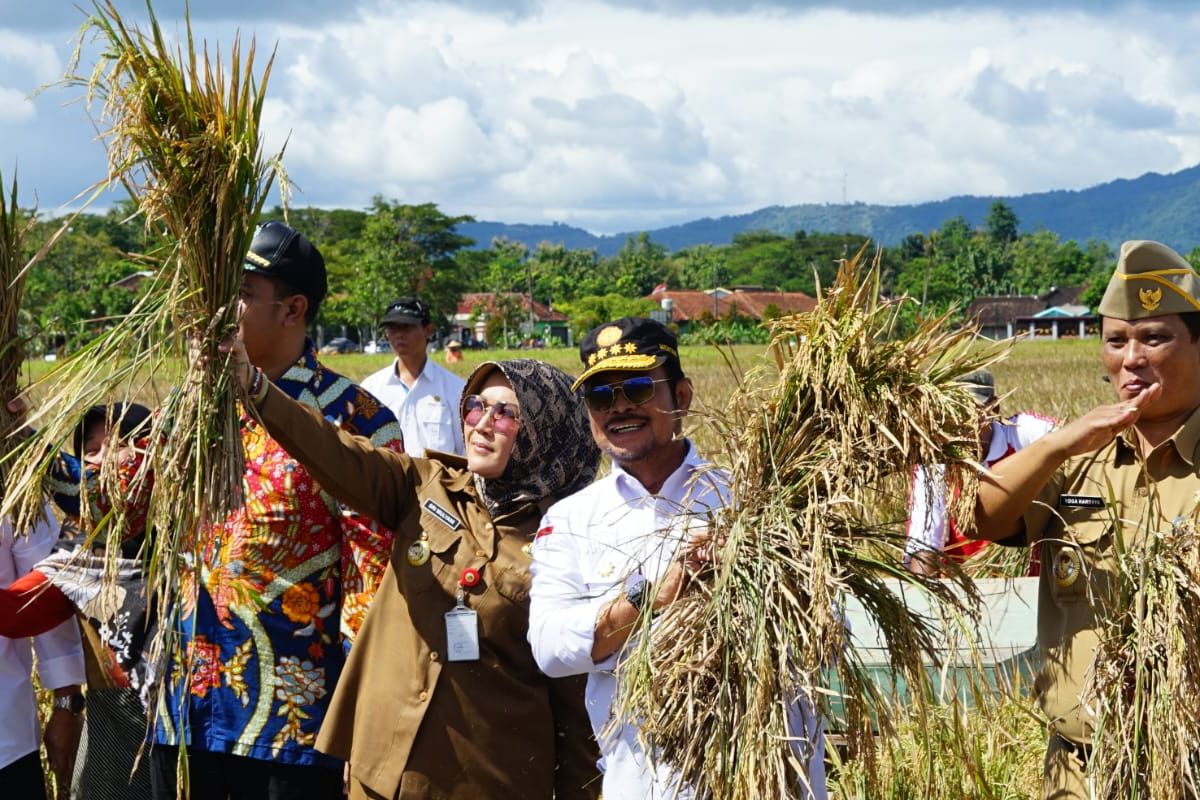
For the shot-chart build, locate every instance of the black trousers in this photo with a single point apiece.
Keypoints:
(223, 776)
(23, 778)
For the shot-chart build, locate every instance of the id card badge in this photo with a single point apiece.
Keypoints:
(462, 634)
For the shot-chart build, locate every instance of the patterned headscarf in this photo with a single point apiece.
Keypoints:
(554, 454)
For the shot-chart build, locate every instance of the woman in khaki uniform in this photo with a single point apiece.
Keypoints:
(440, 697)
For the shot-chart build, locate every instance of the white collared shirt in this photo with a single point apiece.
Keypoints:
(928, 522)
(428, 412)
(59, 652)
(587, 548)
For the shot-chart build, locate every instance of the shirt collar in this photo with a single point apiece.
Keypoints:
(1185, 440)
(673, 486)
(394, 376)
(299, 374)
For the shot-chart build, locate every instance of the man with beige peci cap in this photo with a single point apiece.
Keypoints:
(1119, 472)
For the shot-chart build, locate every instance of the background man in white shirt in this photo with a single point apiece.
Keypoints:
(631, 539)
(932, 535)
(423, 395)
(60, 667)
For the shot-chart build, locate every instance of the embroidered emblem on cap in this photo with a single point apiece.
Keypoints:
(258, 260)
(608, 336)
(1067, 567)
(1150, 298)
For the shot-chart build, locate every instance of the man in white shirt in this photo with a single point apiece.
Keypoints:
(932, 535)
(60, 667)
(631, 539)
(423, 395)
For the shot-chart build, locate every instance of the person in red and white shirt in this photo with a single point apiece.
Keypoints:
(60, 667)
(930, 530)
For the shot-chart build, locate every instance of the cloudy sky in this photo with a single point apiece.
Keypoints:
(626, 114)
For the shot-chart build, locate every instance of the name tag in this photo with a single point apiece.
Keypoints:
(462, 635)
(442, 515)
(1080, 501)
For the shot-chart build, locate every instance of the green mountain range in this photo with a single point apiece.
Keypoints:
(1154, 206)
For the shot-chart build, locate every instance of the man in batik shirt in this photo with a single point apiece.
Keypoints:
(270, 598)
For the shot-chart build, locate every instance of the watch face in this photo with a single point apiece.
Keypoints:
(73, 703)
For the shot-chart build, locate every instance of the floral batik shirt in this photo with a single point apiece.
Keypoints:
(271, 598)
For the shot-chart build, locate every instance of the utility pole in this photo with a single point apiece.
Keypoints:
(529, 287)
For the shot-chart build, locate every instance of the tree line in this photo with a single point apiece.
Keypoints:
(393, 249)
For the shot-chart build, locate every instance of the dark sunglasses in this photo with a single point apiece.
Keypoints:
(506, 417)
(635, 390)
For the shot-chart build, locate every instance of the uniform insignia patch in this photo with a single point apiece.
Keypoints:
(1068, 565)
(607, 570)
(1080, 501)
(442, 515)
(1150, 298)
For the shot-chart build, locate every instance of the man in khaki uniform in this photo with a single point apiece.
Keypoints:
(1142, 451)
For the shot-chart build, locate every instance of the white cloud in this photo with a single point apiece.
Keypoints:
(621, 115)
(15, 106)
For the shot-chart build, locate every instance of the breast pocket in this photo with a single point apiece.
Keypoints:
(435, 418)
(1076, 557)
(428, 563)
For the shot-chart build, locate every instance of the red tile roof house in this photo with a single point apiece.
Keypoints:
(687, 306)
(547, 322)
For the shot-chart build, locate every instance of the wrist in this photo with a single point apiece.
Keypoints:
(74, 703)
(639, 594)
(257, 390)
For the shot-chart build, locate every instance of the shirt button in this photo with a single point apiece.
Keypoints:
(433, 656)
(423, 696)
(490, 526)
(480, 553)
(1142, 491)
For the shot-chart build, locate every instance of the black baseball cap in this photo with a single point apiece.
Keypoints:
(629, 344)
(282, 252)
(407, 311)
(133, 422)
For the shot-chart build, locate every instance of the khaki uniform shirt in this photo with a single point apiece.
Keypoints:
(411, 724)
(1088, 503)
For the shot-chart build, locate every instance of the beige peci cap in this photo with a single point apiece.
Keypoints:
(1151, 280)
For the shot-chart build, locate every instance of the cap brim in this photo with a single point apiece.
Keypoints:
(401, 319)
(625, 363)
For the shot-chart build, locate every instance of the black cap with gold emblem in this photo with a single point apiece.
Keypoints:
(282, 252)
(1151, 280)
(629, 344)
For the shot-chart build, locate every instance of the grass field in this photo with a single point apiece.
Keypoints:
(1056, 379)
(1005, 738)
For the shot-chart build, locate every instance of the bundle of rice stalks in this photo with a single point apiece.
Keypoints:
(991, 749)
(1144, 686)
(182, 131)
(13, 226)
(856, 400)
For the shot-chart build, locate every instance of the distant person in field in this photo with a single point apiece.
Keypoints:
(423, 395)
(932, 535)
(1134, 464)
(453, 351)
